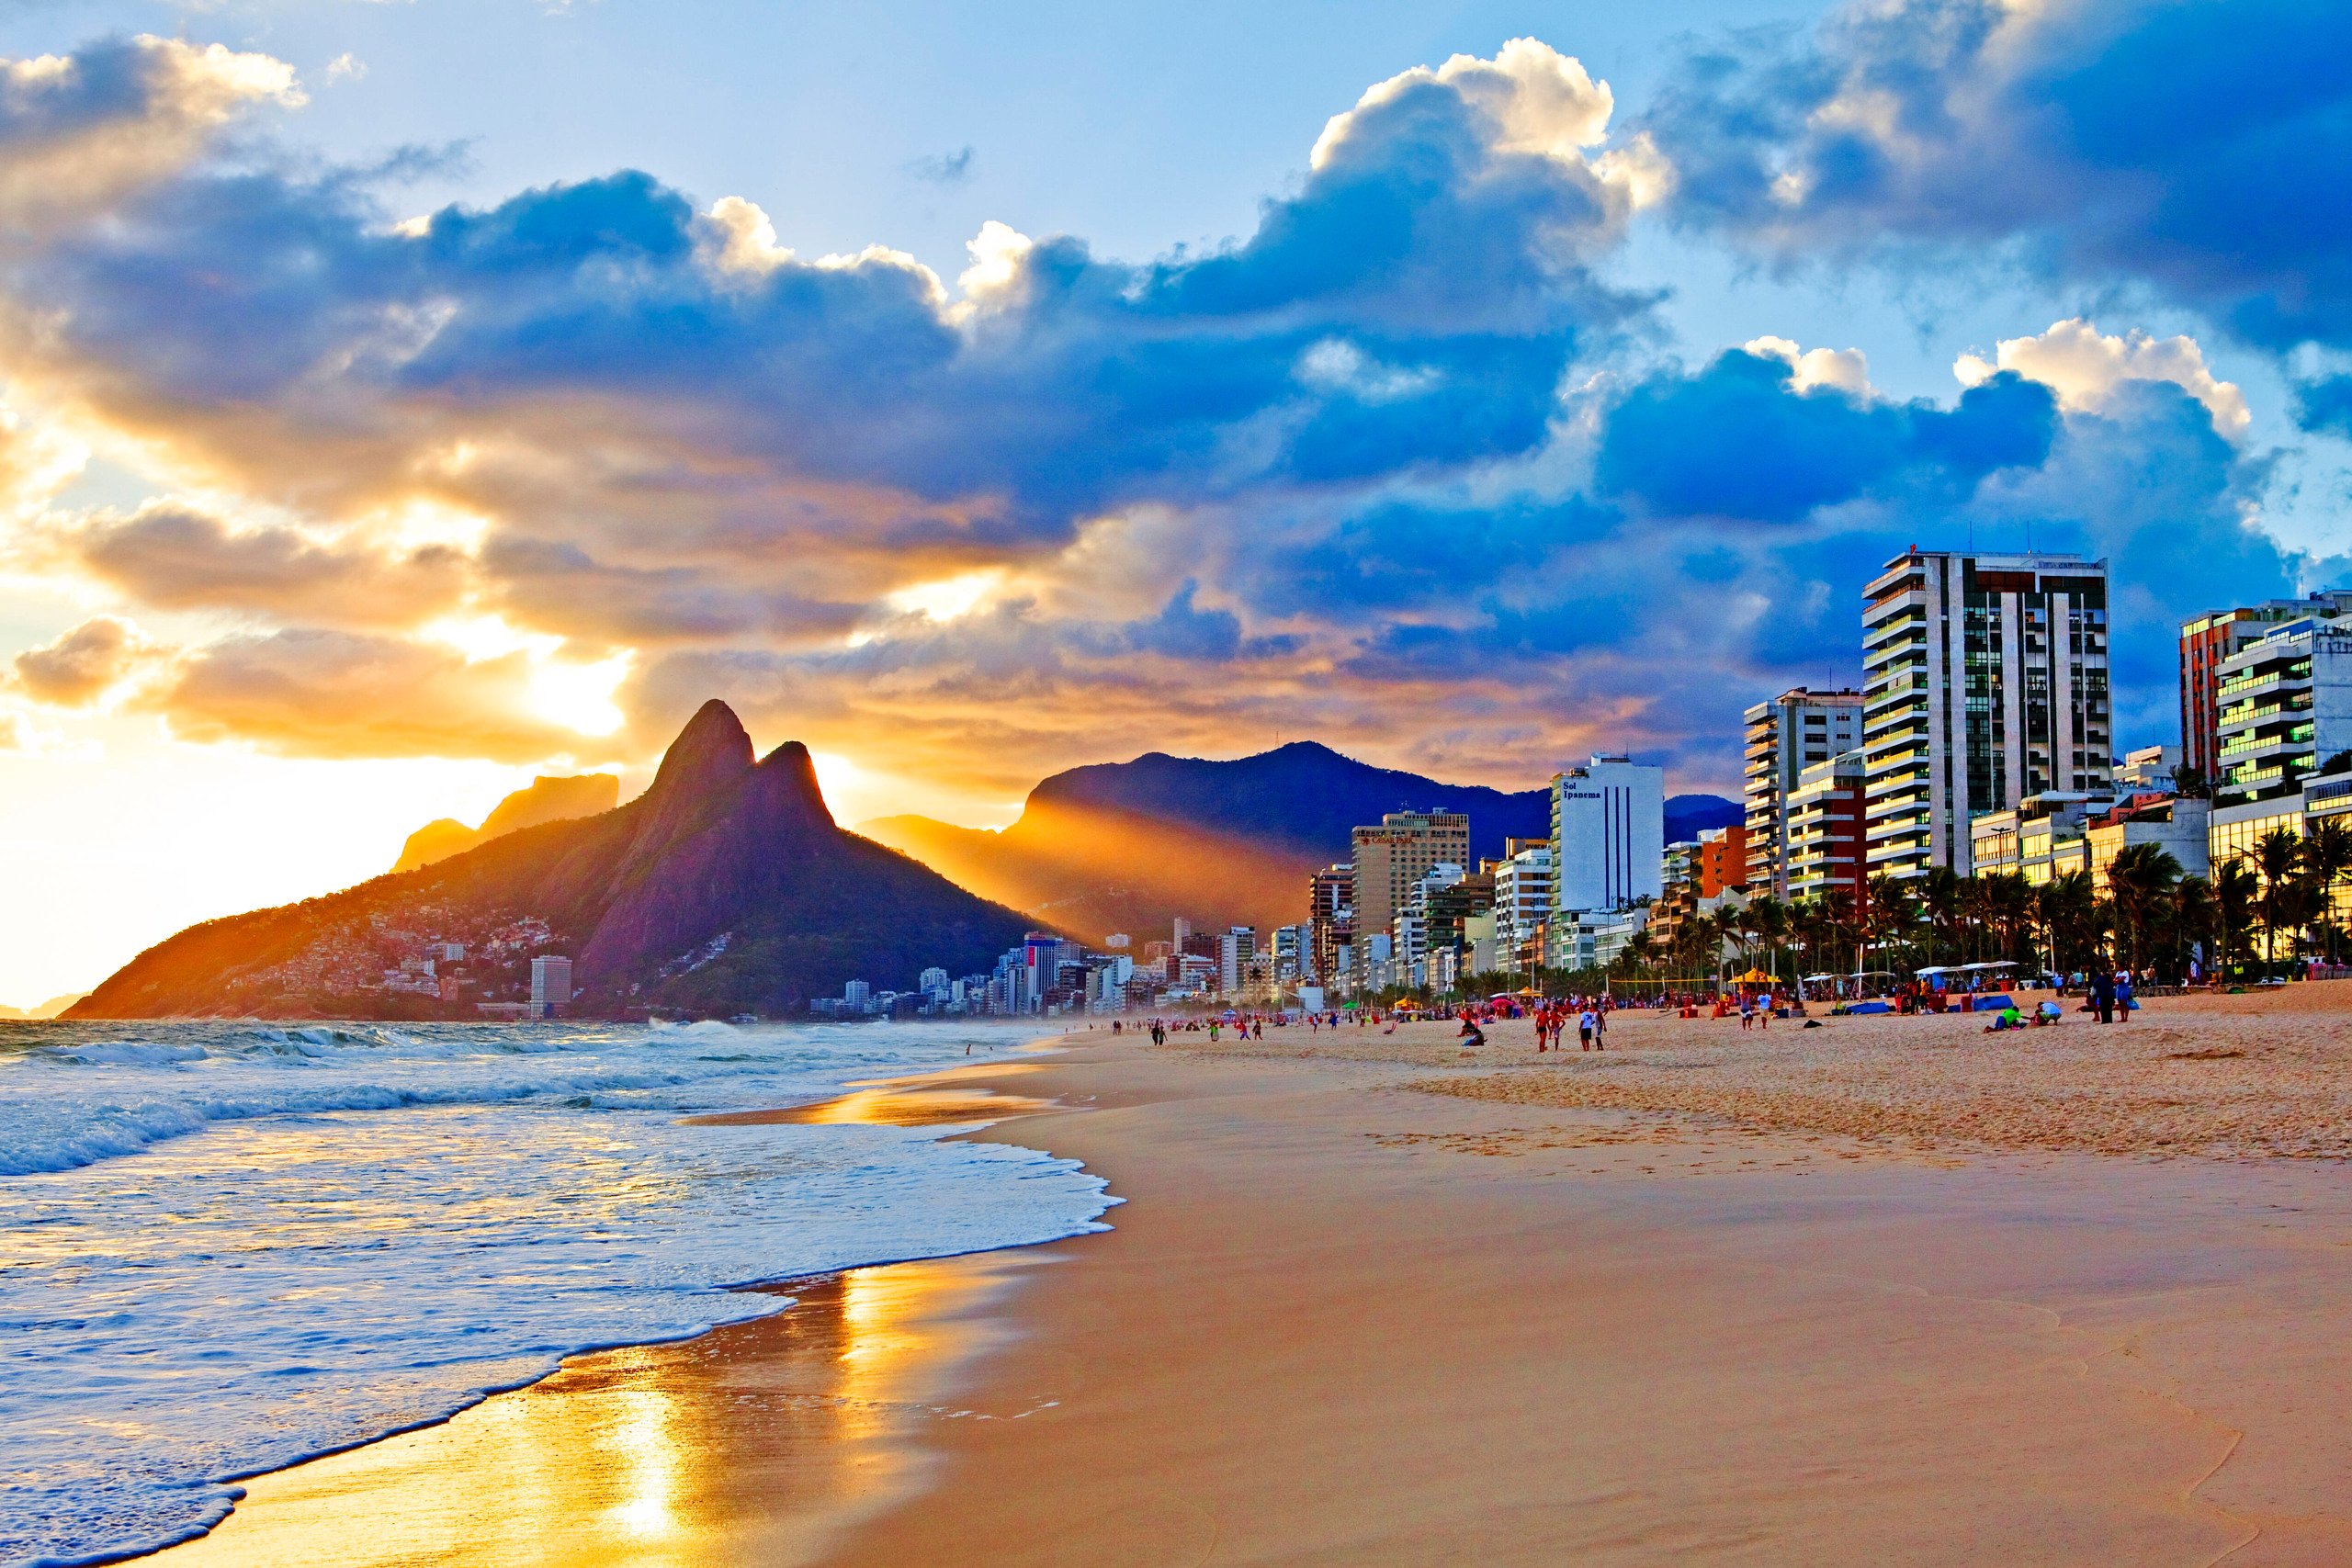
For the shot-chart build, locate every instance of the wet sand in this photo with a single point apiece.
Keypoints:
(1342, 1319)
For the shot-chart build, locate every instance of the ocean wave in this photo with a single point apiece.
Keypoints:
(390, 1228)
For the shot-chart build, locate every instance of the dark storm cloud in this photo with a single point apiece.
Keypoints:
(2198, 146)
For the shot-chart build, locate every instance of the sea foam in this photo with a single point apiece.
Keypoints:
(226, 1248)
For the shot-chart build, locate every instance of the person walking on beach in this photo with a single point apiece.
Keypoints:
(1600, 1026)
(1586, 1021)
(2103, 992)
(2123, 995)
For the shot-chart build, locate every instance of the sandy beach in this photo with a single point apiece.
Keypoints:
(1887, 1291)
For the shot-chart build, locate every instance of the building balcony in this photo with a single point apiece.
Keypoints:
(2298, 738)
(2256, 682)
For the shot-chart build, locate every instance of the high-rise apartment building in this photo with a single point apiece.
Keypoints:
(1786, 735)
(1523, 900)
(1331, 914)
(2285, 708)
(1986, 683)
(1825, 830)
(1389, 859)
(2209, 639)
(1720, 860)
(550, 984)
(1608, 835)
(1236, 948)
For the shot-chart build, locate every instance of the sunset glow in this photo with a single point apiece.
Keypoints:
(1470, 401)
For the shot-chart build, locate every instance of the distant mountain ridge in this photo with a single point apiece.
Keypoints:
(545, 800)
(725, 888)
(1131, 846)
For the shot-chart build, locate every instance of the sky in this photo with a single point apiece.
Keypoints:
(403, 397)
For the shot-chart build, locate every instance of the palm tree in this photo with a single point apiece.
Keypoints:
(2010, 898)
(2069, 919)
(2141, 882)
(2235, 893)
(1767, 919)
(1889, 911)
(1942, 897)
(2278, 856)
(2328, 857)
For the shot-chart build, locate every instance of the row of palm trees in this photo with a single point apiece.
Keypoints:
(2263, 908)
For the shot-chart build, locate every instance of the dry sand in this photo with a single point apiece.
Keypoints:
(2228, 1077)
(1821, 1318)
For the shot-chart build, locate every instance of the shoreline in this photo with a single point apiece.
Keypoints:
(1340, 1317)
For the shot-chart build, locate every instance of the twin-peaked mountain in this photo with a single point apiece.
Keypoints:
(1131, 846)
(725, 888)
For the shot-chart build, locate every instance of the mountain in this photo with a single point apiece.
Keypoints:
(725, 888)
(546, 800)
(1687, 816)
(50, 1008)
(1130, 846)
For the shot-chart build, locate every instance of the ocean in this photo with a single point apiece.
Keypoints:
(228, 1246)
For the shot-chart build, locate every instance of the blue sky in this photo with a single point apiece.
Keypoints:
(404, 398)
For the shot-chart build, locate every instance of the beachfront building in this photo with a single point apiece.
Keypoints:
(1592, 940)
(1608, 835)
(1293, 953)
(1410, 928)
(1825, 830)
(2209, 641)
(1386, 861)
(1522, 902)
(2180, 827)
(550, 984)
(1985, 684)
(2042, 838)
(1786, 735)
(2233, 829)
(2285, 708)
(1331, 915)
(1235, 949)
(1719, 860)
(1480, 952)
(2147, 770)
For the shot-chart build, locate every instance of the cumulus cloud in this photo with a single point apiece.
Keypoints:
(79, 133)
(1749, 438)
(311, 691)
(2193, 147)
(1398, 467)
(1848, 369)
(174, 555)
(2086, 368)
(84, 665)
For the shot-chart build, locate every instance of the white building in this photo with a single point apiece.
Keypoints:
(550, 984)
(1294, 953)
(2147, 769)
(1524, 885)
(1985, 684)
(1235, 949)
(2286, 707)
(1786, 735)
(1608, 834)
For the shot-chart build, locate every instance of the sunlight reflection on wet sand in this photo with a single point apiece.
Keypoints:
(648, 1456)
(902, 1102)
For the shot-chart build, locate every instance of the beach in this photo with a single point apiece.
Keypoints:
(1889, 1290)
